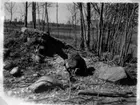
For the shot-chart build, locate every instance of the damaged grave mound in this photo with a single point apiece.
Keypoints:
(28, 48)
(29, 45)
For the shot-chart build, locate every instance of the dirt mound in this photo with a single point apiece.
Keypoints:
(29, 46)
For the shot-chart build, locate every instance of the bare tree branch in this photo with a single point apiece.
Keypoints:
(11, 8)
(96, 8)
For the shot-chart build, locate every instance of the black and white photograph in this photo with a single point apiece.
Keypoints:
(70, 53)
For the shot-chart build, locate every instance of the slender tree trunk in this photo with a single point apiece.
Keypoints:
(114, 36)
(26, 14)
(107, 39)
(46, 16)
(11, 12)
(38, 15)
(75, 30)
(11, 18)
(129, 41)
(111, 33)
(34, 14)
(43, 24)
(100, 31)
(85, 33)
(88, 24)
(82, 46)
(57, 17)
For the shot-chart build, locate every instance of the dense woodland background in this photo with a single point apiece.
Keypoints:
(95, 27)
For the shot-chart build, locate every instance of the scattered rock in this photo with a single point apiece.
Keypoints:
(88, 61)
(45, 83)
(36, 75)
(59, 60)
(23, 29)
(28, 39)
(23, 77)
(35, 58)
(16, 72)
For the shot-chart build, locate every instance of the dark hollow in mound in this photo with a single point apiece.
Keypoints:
(75, 63)
(53, 46)
(90, 71)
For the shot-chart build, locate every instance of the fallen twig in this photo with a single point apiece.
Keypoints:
(107, 94)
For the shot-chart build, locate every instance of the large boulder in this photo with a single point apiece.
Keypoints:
(112, 74)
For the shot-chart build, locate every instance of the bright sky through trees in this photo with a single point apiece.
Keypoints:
(63, 12)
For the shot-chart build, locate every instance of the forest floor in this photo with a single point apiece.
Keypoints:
(18, 87)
